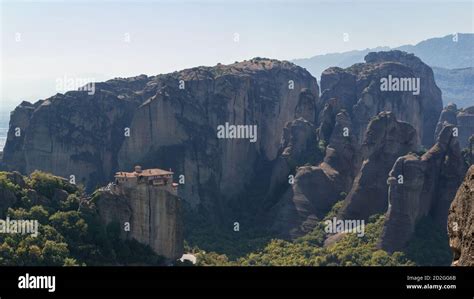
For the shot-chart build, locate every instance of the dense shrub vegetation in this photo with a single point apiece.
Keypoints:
(226, 248)
(350, 250)
(69, 231)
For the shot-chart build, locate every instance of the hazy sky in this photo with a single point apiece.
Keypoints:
(42, 41)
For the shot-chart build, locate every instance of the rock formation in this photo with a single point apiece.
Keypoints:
(385, 140)
(359, 162)
(422, 186)
(172, 120)
(447, 116)
(298, 142)
(168, 120)
(327, 119)
(358, 89)
(461, 222)
(180, 125)
(153, 213)
(316, 188)
(463, 119)
(73, 134)
(308, 153)
(298, 147)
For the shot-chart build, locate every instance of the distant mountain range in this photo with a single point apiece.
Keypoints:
(457, 85)
(451, 57)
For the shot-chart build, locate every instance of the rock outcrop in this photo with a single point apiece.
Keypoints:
(327, 119)
(343, 150)
(173, 120)
(361, 160)
(152, 214)
(73, 134)
(461, 222)
(168, 120)
(358, 89)
(317, 188)
(385, 140)
(448, 116)
(463, 119)
(298, 147)
(180, 125)
(422, 186)
(299, 142)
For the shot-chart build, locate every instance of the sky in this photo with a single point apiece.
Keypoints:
(46, 41)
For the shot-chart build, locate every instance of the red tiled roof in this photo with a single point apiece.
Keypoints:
(145, 173)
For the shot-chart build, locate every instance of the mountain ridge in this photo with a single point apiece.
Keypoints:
(452, 65)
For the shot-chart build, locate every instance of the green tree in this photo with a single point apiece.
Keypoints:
(55, 254)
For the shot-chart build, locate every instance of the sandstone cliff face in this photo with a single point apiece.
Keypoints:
(298, 142)
(422, 186)
(461, 222)
(358, 89)
(172, 120)
(13, 151)
(447, 116)
(300, 208)
(343, 150)
(180, 125)
(381, 126)
(316, 188)
(463, 119)
(385, 140)
(360, 161)
(327, 119)
(298, 147)
(154, 215)
(75, 133)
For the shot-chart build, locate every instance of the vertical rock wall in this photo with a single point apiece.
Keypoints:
(154, 214)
